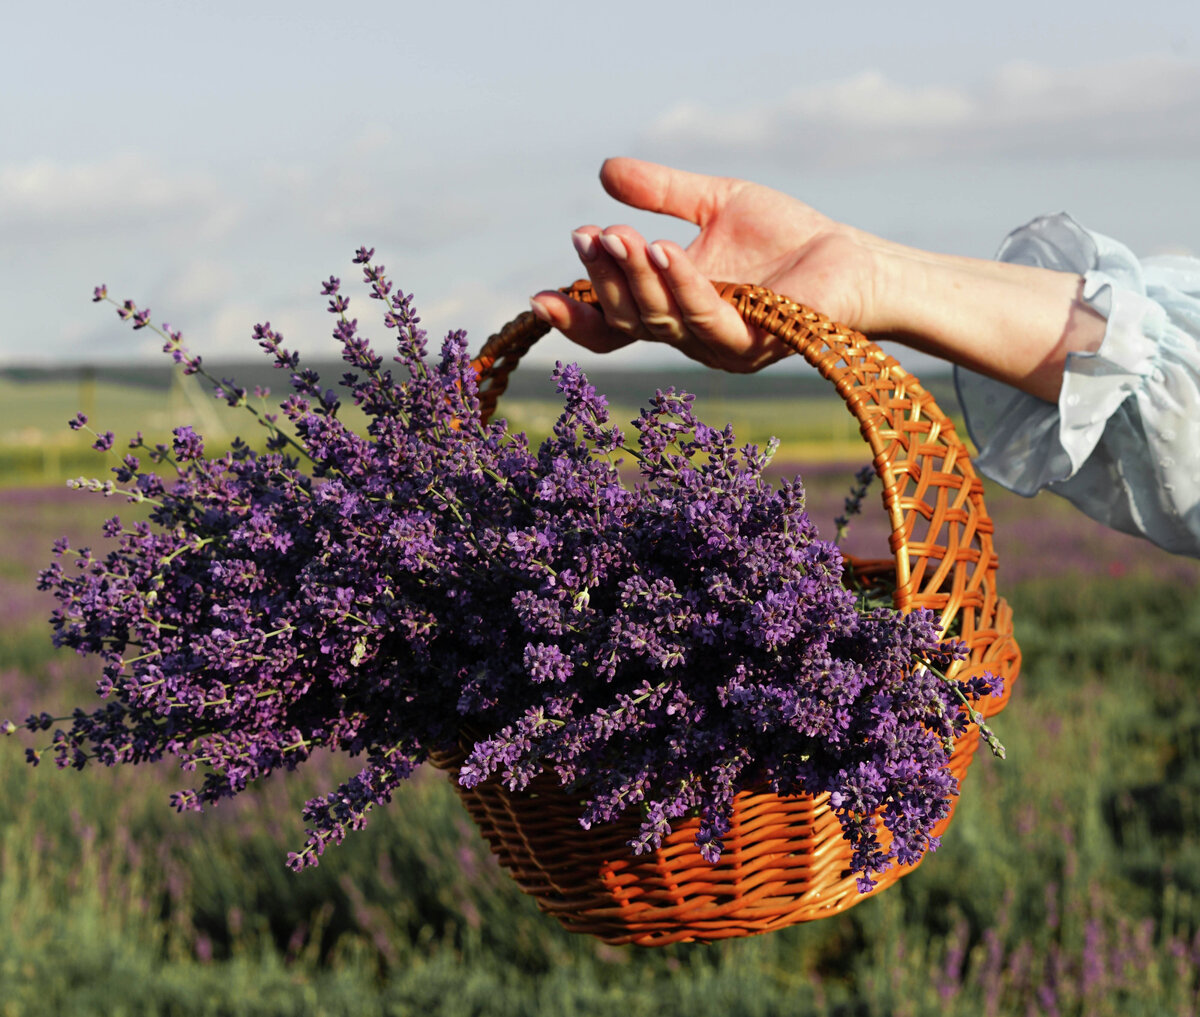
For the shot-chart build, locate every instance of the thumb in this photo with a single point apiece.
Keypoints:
(655, 188)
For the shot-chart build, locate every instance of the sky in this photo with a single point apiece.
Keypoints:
(216, 160)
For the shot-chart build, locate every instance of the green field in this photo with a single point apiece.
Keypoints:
(1069, 882)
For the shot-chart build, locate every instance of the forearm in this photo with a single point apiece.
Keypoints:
(1011, 322)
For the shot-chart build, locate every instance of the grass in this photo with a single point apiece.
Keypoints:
(1068, 883)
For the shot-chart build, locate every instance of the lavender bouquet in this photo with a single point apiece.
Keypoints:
(434, 582)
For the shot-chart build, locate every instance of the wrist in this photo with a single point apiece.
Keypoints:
(1014, 323)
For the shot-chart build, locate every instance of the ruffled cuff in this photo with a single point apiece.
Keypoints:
(1123, 442)
(1024, 442)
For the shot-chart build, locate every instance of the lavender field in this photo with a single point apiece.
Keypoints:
(1069, 882)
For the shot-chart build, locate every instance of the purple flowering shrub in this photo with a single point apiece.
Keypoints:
(434, 582)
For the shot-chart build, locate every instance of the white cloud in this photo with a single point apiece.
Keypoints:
(1147, 105)
(121, 190)
(47, 203)
(1025, 92)
(869, 101)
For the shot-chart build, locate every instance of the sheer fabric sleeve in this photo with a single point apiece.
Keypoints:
(1123, 442)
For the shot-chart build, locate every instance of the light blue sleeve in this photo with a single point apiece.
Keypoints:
(1123, 443)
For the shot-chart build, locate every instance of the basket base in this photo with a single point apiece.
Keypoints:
(785, 861)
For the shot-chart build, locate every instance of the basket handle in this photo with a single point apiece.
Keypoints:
(941, 533)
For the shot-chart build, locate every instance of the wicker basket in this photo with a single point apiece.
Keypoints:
(785, 858)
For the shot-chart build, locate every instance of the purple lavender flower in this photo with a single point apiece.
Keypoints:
(187, 444)
(381, 592)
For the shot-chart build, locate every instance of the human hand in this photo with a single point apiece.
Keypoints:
(1013, 322)
(748, 233)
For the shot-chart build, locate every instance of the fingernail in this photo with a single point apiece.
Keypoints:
(585, 244)
(540, 310)
(658, 255)
(614, 245)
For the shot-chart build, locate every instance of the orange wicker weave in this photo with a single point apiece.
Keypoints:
(785, 858)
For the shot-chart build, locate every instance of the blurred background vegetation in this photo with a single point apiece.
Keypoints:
(1068, 883)
(36, 446)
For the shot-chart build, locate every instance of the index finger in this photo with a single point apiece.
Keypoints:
(583, 324)
(710, 319)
